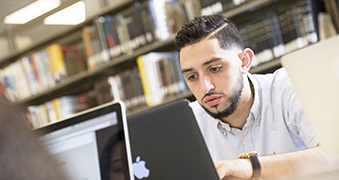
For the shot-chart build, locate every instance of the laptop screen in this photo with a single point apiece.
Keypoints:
(90, 145)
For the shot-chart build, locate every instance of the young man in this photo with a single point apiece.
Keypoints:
(239, 112)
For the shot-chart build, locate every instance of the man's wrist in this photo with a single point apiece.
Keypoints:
(254, 159)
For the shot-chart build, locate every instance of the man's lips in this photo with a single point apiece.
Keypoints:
(212, 101)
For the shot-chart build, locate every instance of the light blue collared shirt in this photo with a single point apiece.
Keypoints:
(276, 124)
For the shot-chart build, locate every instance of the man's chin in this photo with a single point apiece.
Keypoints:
(212, 111)
(217, 113)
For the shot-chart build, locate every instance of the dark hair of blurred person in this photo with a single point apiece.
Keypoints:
(21, 155)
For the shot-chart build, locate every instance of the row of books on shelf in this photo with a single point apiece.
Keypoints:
(209, 7)
(281, 31)
(113, 35)
(155, 79)
(54, 110)
(40, 71)
(110, 36)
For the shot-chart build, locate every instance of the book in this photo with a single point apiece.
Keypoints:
(67, 106)
(39, 71)
(132, 28)
(278, 43)
(309, 13)
(34, 118)
(145, 82)
(51, 112)
(31, 76)
(74, 62)
(122, 33)
(111, 36)
(189, 9)
(157, 9)
(57, 61)
(139, 23)
(100, 23)
(174, 17)
(23, 83)
(141, 94)
(56, 108)
(47, 74)
(148, 23)
(87, 42)
(161, 76)
(94, 49)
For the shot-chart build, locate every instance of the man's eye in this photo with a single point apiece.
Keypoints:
(192, 77)
(215, 69)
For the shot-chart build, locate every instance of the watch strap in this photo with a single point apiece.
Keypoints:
(255, 166)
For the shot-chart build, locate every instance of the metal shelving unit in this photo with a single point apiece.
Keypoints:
(89, 77)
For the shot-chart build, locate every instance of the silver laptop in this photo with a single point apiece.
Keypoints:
(93, 144)
(314, 72)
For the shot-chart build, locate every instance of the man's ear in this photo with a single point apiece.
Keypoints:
(246, 57)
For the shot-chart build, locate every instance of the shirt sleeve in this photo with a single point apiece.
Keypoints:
(300, 121)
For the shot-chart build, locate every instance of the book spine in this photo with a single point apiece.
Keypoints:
(157, 9)
(100, 25)
(23, 81)
(88, 46)
(278, 43)
(143, 76)
(141, 97)
(57, 62)
(73, 59)
(30, 75)
(147, 22)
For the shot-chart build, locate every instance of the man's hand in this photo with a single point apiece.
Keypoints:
(234, 169)
(284, 165)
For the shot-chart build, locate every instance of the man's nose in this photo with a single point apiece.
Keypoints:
(206, 84)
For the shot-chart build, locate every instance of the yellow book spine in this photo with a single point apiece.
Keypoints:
(56, 108)
(57, 62)
(143, 77)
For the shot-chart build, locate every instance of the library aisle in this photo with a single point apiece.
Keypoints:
(124, 50)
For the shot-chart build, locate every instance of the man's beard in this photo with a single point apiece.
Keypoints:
(234, 99)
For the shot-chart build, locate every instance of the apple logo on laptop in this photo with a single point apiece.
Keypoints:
(139, 169)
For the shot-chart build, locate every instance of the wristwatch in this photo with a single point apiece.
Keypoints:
(253, 157)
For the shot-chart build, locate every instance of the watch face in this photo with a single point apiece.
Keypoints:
(247, 155)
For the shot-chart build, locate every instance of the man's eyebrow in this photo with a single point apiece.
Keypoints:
(210, 61)
(186, 70)
(204, 64)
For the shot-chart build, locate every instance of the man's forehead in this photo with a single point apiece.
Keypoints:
(203, 46)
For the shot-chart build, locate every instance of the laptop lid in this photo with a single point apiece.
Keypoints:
(314, 72)
(167, 144)
(93, 144)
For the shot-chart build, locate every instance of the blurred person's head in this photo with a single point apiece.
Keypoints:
(21, 155)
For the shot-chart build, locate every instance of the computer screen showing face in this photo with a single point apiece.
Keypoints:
(93, 147)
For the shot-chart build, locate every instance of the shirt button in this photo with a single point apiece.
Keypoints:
(257, 121)
(223, 126)
(244, 142)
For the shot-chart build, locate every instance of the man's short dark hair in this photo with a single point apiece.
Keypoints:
(211, 26)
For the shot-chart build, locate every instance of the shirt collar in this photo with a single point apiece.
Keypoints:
(256, 107)
(254, 112)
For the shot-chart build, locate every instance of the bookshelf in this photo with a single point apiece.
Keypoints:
(90, 76)
(85, 80)
(4, 61)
